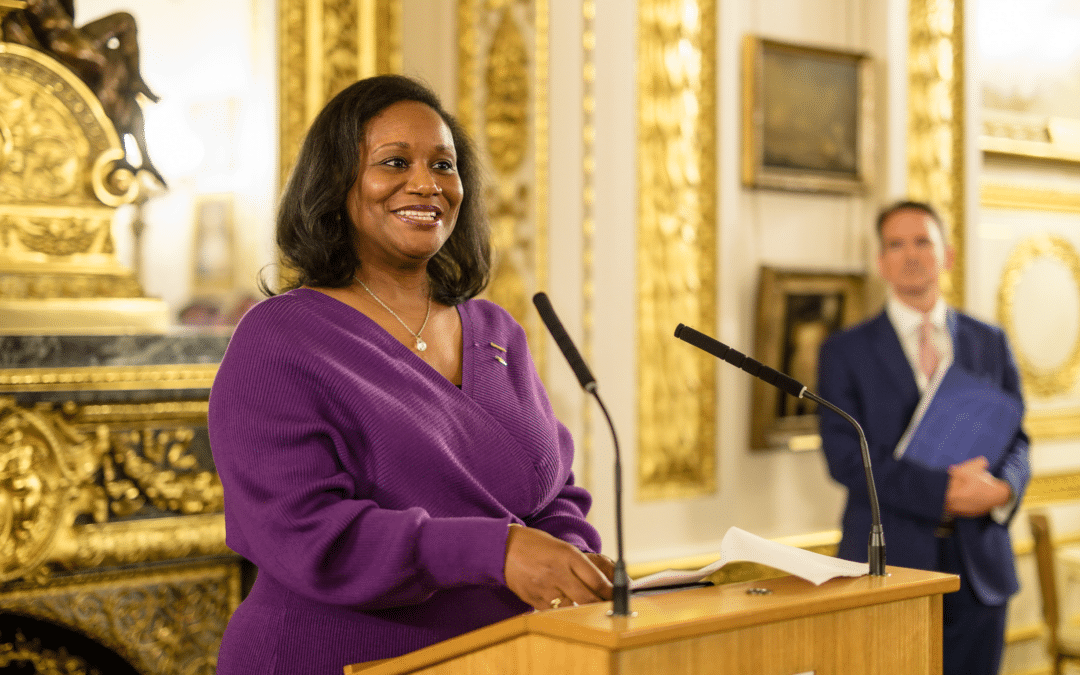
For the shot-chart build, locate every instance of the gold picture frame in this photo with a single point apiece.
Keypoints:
(796, 311)
(807, 117)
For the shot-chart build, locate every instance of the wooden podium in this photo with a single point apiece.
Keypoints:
(864, 625)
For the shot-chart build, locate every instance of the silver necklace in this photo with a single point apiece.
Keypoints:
(420, 344)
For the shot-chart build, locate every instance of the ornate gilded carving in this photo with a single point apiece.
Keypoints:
(676, 245)
(503, 45)
(340, 44)
(1038, 381)
(38, 286)
(506, 105)
(141, 541)
(351, 39)
(46, 469)
(293, 116)
(43, 661)
(161, 470)
(62, 466)
(58, 187)
(168, 621)
(936, 130)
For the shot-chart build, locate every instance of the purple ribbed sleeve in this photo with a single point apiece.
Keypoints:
(371, 492)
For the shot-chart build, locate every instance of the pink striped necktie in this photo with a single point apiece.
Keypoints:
(928, 353)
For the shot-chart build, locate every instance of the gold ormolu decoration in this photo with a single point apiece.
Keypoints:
(162, 620)
(676, 245)
(57, 152)
(58, 192)
(936, 128)
(1039, 382)
(494, 40)
(59, 467)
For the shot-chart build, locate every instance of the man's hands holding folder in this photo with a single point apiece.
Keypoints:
(972, 490)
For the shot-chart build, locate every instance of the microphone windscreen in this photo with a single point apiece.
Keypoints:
(562, 339)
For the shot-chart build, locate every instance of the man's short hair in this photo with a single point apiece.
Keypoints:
(909, 205)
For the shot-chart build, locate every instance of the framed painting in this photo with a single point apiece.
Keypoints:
(213, 243)
(807, 117)
(1028, 65)
(796, 311)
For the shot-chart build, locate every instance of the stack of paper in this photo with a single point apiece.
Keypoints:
(741, 546)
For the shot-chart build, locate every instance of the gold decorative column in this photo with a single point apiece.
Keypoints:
(502, 101)
(936, 164)
(677, 200)
(324, 46)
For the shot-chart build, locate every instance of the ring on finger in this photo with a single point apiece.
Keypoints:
(556, 602)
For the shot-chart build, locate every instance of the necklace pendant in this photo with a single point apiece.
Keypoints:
(420, 344)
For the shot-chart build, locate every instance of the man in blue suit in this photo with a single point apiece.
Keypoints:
(951, 520)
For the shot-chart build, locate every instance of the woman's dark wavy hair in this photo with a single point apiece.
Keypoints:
(315, 235)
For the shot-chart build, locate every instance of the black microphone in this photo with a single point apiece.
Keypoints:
(787, 384)
(620, 592)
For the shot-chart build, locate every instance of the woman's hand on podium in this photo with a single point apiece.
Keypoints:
(542, 569)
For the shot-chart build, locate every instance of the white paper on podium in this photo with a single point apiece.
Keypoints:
(741, 546)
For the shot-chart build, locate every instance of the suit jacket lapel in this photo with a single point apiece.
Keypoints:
(887, 346)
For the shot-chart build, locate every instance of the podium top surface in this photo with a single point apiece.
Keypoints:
(684, 614)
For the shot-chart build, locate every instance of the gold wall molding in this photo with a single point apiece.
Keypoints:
(163, 620)
(1052, 488)
(1054, 424)
(1030, 137)
(324, 46)
(936, 122)
(503, 102)
(1040, 424)
(1040, 382)
(1028, 199)
(676, 245)
(95, 378)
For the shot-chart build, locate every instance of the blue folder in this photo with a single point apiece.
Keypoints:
(960, 417)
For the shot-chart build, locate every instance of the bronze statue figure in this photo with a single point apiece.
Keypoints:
(104, 53)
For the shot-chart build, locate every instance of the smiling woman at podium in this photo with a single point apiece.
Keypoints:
(390, 459)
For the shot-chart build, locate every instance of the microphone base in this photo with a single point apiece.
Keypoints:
(877, 552)
(620, 592)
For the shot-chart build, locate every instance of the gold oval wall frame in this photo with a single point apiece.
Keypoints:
(1040, 383)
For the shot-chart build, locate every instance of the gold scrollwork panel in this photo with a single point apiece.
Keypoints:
(165, 620)
(936, 124)
(677, 277)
